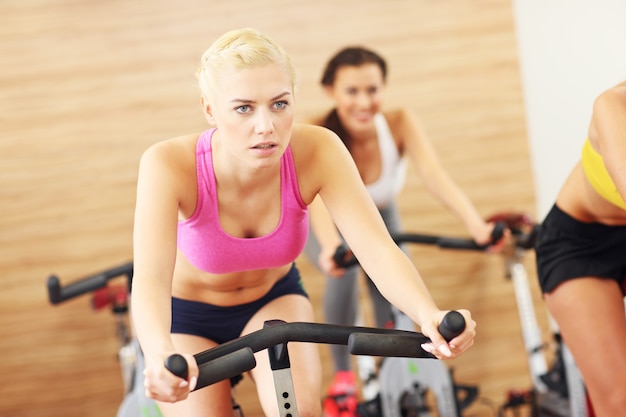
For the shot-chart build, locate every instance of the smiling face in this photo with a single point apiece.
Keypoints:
(358, 94)
(253, 111)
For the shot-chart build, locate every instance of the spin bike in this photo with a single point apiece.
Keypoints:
(401, 381)
(233, 358)
(558, 391)
(104, 294)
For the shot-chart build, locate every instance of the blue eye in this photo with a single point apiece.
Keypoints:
(281, 104)
(243, 109)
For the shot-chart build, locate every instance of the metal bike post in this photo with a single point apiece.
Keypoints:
(281, 371)
(530, 328)
(575, 385)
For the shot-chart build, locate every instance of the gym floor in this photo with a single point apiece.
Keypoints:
(86, 86)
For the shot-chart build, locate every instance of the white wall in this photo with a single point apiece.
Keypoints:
(570, 50)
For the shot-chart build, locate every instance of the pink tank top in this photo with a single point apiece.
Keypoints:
(209, 248)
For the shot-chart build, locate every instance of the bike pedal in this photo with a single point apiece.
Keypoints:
(340, 406)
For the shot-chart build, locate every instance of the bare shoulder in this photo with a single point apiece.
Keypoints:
(608, 121)
(317, 152)
(172, 151)
(311, 143)
(609, 106)
(317, 121)
(614, 96)
(404, 126)
(310, 137)
(397, 116)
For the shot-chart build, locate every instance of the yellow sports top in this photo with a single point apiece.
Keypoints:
(599, 177)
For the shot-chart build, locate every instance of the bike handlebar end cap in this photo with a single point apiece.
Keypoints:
(177, 365)
(452, 325)
(54, 289)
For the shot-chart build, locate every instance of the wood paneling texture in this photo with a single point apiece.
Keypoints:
(86, 86)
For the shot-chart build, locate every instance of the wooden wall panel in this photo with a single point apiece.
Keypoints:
(86, 86)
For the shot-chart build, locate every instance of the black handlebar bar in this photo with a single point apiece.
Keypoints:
(237, 356)
(523, 234)
(58, 293)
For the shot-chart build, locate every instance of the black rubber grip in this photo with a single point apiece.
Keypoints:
(497, 232)
(344, 258)
(403, 346)
(465, 243)
(228, 366)
(177, 365)
(452, 325)
(399, 346)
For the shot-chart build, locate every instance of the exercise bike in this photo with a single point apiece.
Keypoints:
(237, 356)
(233, 358)
(400, 385)
(104, 294)
(558, 390)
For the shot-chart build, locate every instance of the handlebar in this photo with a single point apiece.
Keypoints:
(523, 231)
(237, 356)
(57, 293)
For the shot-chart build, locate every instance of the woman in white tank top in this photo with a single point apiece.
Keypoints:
(380, 144)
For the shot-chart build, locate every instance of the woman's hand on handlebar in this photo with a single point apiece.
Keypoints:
(493, 235)
(455, 347)
(328, 265)
(163, 385)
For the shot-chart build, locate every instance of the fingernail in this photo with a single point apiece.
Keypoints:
(183, 384)
(192, 383)
(427, 347)
(445, 350)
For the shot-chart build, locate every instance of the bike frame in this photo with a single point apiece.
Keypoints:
(237, 356)
(567, 396)
(135, 402)
(547, 399)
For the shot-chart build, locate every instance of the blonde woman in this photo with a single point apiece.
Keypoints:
(221, 216)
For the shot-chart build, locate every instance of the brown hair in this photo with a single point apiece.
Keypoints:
(353, 56)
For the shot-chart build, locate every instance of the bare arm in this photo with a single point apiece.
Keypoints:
(154, 244)
(437, 180)
(360, 223)
(328, 237)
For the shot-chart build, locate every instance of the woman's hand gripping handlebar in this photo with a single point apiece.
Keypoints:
(237, 356)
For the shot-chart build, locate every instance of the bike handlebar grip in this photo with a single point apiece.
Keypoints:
(404, 345)
(343, 257)
(398, 346)
(497, 232)
(459, 243)
(464, 243)
(227, 366)
(54, 289)
(452, 325)
(177, 365)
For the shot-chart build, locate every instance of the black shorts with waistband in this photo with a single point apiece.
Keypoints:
(567, 248)
(221, 324)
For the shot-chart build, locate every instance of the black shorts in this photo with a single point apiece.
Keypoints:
(567, 248)
(221, 324)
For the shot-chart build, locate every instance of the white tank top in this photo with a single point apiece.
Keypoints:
(393, 169)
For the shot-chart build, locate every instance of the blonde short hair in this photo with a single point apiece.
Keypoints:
(239, 49)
